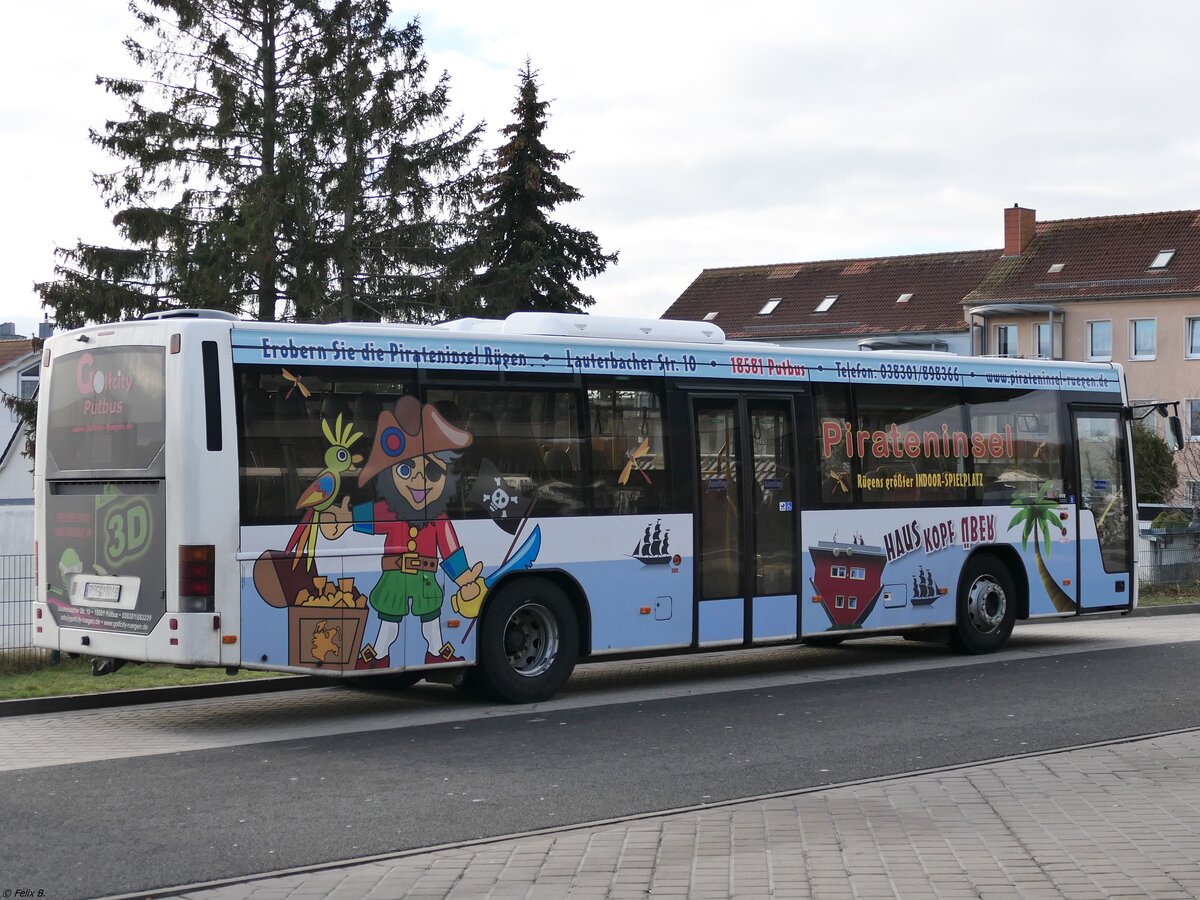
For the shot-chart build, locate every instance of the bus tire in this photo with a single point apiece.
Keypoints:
(987, 606)
(528, 642)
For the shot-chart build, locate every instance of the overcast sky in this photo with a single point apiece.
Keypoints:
(712, 135)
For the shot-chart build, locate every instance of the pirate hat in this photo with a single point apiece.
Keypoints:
(409, 431)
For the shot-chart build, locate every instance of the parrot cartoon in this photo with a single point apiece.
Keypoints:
(319, 495)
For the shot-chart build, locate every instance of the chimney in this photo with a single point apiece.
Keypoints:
(1019, 226)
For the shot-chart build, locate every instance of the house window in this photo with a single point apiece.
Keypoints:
(904, 298)
(1193, 414)
(27, 385)
(1055, 269)
(858, 573)
(853, 604)
(1193, 338)
(1143, 338)
(825, 304)
(708, 317)
(839, 602)
(1099, 346)
(1006, 340)
(1194, 491)
(1044, 336)
(769, 306)
(837, 571)
(1163, 259)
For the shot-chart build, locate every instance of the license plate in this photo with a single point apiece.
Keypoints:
(95, 590)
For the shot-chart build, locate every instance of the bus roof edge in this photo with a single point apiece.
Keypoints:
(607, 327)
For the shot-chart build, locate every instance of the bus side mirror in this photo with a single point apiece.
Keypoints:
(1174, 433)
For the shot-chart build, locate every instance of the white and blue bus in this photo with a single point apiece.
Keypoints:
(487, 502)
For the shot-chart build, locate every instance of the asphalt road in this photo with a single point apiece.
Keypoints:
(119, 826)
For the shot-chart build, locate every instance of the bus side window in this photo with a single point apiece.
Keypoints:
(528, 439)
(914, 445)
(1032, 455)
(831, 405)
(627, 447)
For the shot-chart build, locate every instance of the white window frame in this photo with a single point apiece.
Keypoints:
(769, 306)
(1015, 343)
(858, 573)
(1192, 409)
(1190, 323)
(1133, 354)
(837, 571)
(1162, 259)
(27, 386)
(1091, 355)
(1040, 328)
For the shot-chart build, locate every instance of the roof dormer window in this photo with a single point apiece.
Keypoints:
(1055, 269)
(825, 304)
(904, 298)
(769, 306)
(708, 317)
(1163, 259)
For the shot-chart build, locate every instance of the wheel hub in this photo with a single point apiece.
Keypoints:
(986, 605)
(531, 640)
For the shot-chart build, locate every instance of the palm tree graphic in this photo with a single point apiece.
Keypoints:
(1040, 514)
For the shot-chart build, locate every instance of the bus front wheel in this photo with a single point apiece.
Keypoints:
(987, 605)
(528, 642)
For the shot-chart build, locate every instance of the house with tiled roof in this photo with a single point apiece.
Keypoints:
(20, 362)
(912, 302)
(1110, 288)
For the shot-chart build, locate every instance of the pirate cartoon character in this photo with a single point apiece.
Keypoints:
(413, 465)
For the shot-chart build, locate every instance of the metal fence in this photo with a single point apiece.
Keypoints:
(1169, 563)
(16, 613)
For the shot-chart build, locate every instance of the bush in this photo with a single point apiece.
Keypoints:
(1170, 521)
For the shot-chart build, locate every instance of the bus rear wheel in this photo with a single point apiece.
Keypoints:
(528, 642)
(987, 605)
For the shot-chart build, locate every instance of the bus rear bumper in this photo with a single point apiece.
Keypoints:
(184, 639)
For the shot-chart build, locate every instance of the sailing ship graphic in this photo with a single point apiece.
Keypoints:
(924, 588)
(653, 548)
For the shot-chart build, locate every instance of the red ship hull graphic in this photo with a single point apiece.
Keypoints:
(847, 580)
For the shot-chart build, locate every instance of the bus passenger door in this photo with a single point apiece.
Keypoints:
(1103, 509)
(746, 517)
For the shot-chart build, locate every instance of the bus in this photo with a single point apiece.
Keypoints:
(484, 503)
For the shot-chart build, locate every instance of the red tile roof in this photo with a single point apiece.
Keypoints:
(867, 291)
(1102, 257)
(12, 350)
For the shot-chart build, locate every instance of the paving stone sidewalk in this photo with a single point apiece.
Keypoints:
(1120, 820)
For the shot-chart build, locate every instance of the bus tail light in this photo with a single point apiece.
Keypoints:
(197, 578)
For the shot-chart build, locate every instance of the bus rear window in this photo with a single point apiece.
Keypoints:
(106, 409)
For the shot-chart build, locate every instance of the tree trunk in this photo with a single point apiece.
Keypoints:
(266, 238)
(1062, 602)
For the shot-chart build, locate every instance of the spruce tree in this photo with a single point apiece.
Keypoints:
(211, 194)
(397, 175)
(531, 262)
(278, 158)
